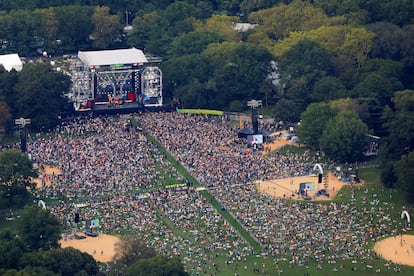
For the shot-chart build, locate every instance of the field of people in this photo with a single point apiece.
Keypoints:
(110, 170)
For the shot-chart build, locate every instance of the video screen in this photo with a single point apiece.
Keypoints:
(255, 139)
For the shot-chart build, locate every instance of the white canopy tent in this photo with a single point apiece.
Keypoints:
(11, 61)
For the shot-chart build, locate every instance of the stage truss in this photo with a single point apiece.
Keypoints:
(113, 86)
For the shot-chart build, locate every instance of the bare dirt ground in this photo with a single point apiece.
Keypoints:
(101, 248)
(45, 176)
(398, 249)
(276, 144)
(288, 187)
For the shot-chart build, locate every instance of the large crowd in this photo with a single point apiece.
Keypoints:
(288, 230)
(110, 168)
(109, 165)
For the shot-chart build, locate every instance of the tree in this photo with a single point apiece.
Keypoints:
(405, 176)
(20, 31)
(300, 68)
(349, 104)
(11, 250)
(239, 70)
(387, 42)
(353, 42)
(388, 177)
(129, 250)
(358, 43)
(344, 137)
(222, 25)
(193, 43)
(48, 29)
(5, 115)
(158, 265)
(313, 123)
(155, 31)
(287, 111)
(399, 122)
(376, 91)
(107, 28)
(39, 95)
(248, 6)
(16, 174)
(343, 68)
(328, 88)
(144, 29)
(39, 229)
(188, 78)
(299, 16)
(7, 82)
(63, 261)
(398, 12)
(74, 26)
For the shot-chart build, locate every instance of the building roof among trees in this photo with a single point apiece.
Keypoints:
(112, 57)
(11, 61)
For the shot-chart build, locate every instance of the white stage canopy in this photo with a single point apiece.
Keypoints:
(112, 57)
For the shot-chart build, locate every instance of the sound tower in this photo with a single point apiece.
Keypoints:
(23, 142)
(320, 178)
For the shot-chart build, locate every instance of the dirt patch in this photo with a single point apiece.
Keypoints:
(397, 249)
(288, 187)
(101, 248)
(277, 144)
(46, 173)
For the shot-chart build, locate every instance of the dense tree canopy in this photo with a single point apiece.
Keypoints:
(39, 95)
(345, 137)
(62, 261)
(222, 73)
(107, 28)
(405, 176)
(194, 43)
(128, 251)
(300, 68)
(158, 265)
(313, 122)
(400, 125)
(16, 174)
(11, 250)
(39, 229)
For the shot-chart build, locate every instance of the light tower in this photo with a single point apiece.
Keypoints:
(22, 123)
(254, 104)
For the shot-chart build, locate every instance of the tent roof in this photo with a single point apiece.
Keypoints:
(112, 57)
(11, 61)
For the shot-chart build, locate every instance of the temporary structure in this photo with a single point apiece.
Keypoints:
(11, 61)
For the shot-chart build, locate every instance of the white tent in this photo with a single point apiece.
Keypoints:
(11, 61)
